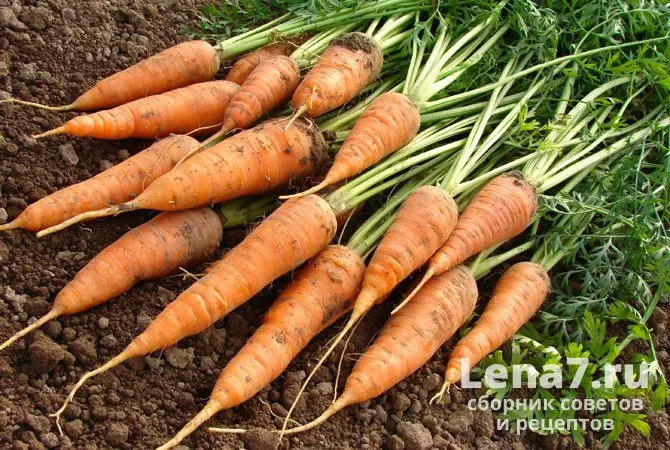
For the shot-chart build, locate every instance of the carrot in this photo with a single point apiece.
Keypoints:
(254, 161)
(502, 209)
(268, 86)
(321, 293)
(178, 66)
(152, 250)
(423, 223)
(295, 232)
(408, 340)
(348, 65)
(115, 185)
(518, 295)
(246, 64)
(180, 111)
(388, 124)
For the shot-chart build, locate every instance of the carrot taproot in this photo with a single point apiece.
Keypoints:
(150, 251)
(245, 65)
(321, 293)
(184, 110)
(388, 124)
(293, 233)
(268, 86)
(502, 209)
(348, 65)
(115, 185)
(408, 340)
(516, 297)
(254, 161)
(178, 66)
(424, 221)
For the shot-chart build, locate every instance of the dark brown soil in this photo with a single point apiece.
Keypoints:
(50, 51)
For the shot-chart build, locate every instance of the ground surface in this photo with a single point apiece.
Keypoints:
(49, 52)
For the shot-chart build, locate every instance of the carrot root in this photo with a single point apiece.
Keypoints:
(16, 223)
(333, 409)
(440, 395)
(69, 107)
(118, 359)
(312, 190)
(227, 430)
(59, 130)
(55, 312)
(211, 408)
(429, 274)
(295, 116)
(89, 215)
(360, 309)
(213, 138)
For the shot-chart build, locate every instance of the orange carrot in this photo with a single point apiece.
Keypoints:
(321, 293)
(502, 209)
(152, 250)
(518, 295)
(246, 64)
(182, 65)
(115, 185)
(268, 86)
(408, 340)
(423, 223)
(295, 232)
(180, 111)
(348, 65)
(387, 125)
(255, 161)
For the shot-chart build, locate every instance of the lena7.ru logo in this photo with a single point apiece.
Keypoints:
(497, 376)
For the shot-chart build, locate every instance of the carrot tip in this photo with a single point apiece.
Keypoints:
(295, 116)
(41, 321)
(213, 139)
(440, 395)
(11, 225)
(211, 408)
(112, 210)
(227, 430)
(309, 191)
(429, 274)
(118, 359)
(69, 107)
(59, 130)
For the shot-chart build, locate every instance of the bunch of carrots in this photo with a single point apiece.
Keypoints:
(388, 87)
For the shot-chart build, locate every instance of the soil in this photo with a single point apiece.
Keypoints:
(50, 51)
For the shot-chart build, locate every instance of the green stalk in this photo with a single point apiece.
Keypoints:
(367, 236)
(453, 99)
(306, 55)
(343, 120)
(546, 183)
(302, 25)
(449, 76)
(469, 158)
(471, 108)
(237, 212)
